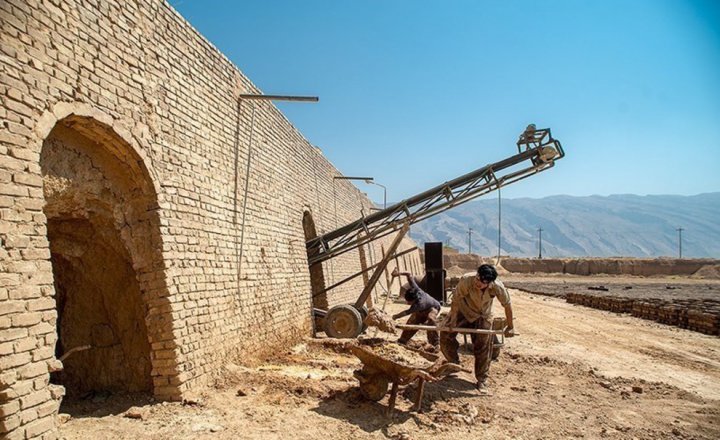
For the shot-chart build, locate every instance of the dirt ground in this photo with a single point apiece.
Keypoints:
(572, 372)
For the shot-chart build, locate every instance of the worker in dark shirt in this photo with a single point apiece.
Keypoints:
(423, 310)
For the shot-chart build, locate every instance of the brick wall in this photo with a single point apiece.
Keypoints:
(210, 224)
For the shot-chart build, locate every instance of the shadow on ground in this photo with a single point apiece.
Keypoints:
(103, 403)
(350, 406)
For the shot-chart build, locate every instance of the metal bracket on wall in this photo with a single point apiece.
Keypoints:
(252, 97)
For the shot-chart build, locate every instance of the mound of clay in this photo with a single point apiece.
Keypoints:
(455, 271)
(381, 320)
(466, 262)
(458, 265)
(500, 269)
(397, 353)
(708, 272)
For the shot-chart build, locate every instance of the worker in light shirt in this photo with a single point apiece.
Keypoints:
(472, 308)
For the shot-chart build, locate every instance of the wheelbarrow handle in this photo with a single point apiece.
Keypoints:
(474, 331)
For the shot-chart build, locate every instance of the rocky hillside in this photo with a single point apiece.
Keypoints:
(618, 225)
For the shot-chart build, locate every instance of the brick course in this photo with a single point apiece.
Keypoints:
(227, 275)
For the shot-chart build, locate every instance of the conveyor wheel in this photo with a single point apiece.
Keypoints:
(343, 322)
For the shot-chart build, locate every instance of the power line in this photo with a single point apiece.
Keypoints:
(499, 224)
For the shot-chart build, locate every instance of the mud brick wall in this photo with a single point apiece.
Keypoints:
(466, 262)
(139, 226)
(612, 266)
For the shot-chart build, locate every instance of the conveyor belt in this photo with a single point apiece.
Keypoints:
(537, 151)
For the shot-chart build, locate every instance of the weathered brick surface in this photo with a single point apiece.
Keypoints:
(231, 280)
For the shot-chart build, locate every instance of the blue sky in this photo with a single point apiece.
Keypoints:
(415, 93)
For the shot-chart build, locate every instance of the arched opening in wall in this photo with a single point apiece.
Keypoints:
(317, 277)
(105, 244)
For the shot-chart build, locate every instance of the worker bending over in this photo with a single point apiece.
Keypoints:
(472, 308)
(423, 309)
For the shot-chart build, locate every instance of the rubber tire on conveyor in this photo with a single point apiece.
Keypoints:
(343, 322)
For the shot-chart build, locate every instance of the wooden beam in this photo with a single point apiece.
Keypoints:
(381, 266)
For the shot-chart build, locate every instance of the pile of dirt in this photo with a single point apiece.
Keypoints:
(500, 269)
(379, 319)
(396, 353)
(464, 263)
(708, 272)
(455, 271)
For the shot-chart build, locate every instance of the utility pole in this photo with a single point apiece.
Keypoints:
(469, 240)
(499, 223)
(540, 243)
(680, 242)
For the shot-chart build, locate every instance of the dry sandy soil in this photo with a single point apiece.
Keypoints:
(572, 372)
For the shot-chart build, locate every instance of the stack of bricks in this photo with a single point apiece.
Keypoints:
(226, 276)
(701, 315)
(673, 314)
(705, 320)
(647, 308)
(611, 303)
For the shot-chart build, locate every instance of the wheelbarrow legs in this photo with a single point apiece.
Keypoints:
(420, 391)
(393, 397)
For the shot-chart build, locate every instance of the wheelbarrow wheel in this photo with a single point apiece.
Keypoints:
(343, 322)
(374, 387)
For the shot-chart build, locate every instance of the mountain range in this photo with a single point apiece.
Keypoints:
(595, 226)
